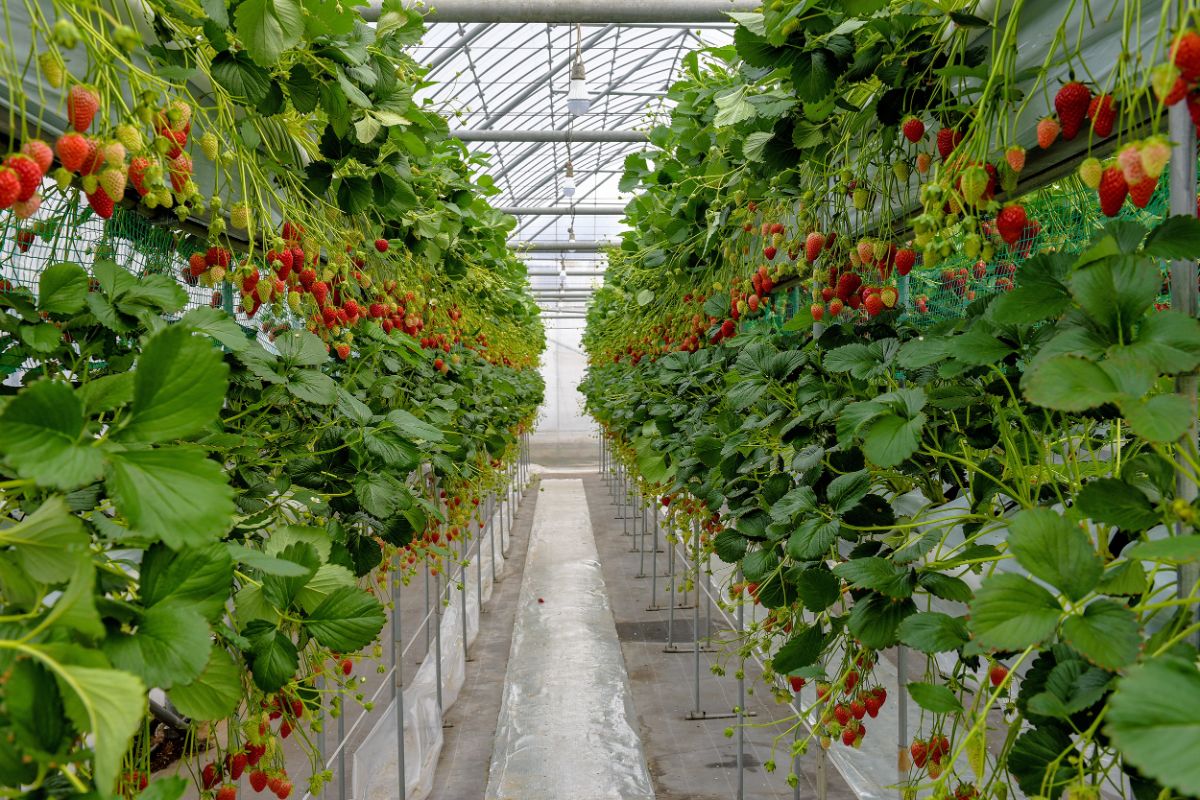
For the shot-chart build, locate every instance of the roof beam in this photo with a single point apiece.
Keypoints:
(585, 12)
(557, 247)
(563, 211)
(452, 48)
(549, 135)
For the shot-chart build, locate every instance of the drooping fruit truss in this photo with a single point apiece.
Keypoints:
(920, 397)
(224, 440)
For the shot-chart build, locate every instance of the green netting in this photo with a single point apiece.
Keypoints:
(1067, 215)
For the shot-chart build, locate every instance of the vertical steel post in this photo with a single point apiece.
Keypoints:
(902, 712)
(1184, 299)
(696, 626)
(671, 611)
(462, 582)
(428, 608)
(654, 563)
(437, 638)
(398, 686)
(341, 759)
(741, 711)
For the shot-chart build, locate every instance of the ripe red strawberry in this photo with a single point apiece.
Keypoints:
(237, 765)
(82, 105)
(913, 129)
(40, 152)
(1103, 114)
(813, 244)
(1011, 222)
(220, 257)
(376, 310)
(10, 187)
(1141, 192)
(1071, 103)
(381, 245)
(180, 167)
(197, 264)
(905, 260)
(728, 328)
(101, 203)
(796, 682)
(28, 171)
(1047, 131)
(835, 306)
(873, 703)
(258, 780)
(307, 277)
(920, 752)
(320, 291)
(348, 665)
(285, 727)
(25, 239)
(343, 352)
(947, 140)
(281, 262)
(1015, 156)
(254, 752)
(1186, 56)
(210, 776)
(997, 674)
(858, 708)
(137, 174)
(73, 150)
(874, 305)
(283, 789)
(842, 714)
(1112, 190)
(329, 316)
(227, 792)
(849, 735)
(769, 253)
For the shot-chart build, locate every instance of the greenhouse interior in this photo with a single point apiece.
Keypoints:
(600, 400)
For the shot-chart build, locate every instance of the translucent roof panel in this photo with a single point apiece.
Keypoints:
(510, 76)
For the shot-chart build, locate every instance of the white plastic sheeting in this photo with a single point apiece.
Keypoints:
(566, 724)
(376, 759)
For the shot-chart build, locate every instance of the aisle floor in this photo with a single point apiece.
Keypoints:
(565, 728)
(686, 758)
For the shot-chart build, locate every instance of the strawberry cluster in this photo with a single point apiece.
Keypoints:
(848, 704)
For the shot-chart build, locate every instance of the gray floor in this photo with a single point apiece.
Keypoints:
(688, 759)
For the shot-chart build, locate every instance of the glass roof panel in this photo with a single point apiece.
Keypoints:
(509, 76)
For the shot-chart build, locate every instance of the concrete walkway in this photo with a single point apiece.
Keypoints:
(566, 725)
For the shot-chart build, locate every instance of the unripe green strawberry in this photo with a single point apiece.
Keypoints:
(294, 302)
(239, 216)
(1090, 171)
(90, 184)
(125, 38)
(989, 251)
(974, 183)
(52, 69)
(217, 273)
(114, 153)
(130, 136)
(210, 145)
(860, 199)
(65, 34)
(112, 181)
(1156, 152)
(263, 289)
(901, 170)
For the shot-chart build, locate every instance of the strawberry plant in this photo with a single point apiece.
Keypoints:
(975, 453)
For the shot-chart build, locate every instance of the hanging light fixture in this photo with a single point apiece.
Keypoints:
(568, 187)
(578, 100)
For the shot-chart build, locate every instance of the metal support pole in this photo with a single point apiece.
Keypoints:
(671, 612)
(654, 564)
(492, 534)
(1184, 299)
(696, 631)
(398, 682)
(462, 591)
(902, 754)
(437, 636)
(741, 709)
(341, 759)
(584, 12)
(428, 618)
